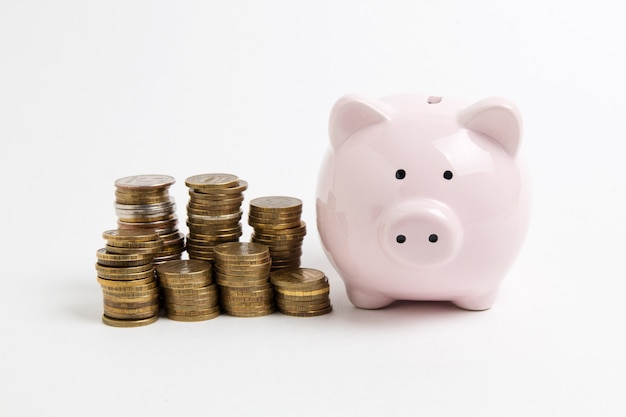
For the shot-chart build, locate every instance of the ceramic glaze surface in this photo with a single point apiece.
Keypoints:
(422, 198)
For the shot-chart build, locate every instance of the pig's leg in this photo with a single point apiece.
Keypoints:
(367, 300)
(476, 303)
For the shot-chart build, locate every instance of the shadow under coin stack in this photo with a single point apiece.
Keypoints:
(276, 222)
(126, 274)
(143, 202)
(302, 292)
(188, 290)
(213, 213)
(242, 273)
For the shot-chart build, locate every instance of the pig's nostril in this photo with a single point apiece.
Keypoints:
(433, 238)
(400, 238)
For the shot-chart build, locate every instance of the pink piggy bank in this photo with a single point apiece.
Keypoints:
(422, 198)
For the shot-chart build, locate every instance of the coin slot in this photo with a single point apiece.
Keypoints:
(434, 100)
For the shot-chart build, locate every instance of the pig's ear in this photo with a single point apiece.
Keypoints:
(351, 113)
(497, 118)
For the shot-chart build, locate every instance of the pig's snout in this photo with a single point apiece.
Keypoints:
(421, 232)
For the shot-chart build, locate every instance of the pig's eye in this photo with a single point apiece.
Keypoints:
(400, 174)
(448, 175)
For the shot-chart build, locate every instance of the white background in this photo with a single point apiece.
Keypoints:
(94, 91)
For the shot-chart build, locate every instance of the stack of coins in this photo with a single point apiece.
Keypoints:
(242, 272)
(213, 213)
(276, 222)
(188, 290)
(143, 202)
(302, 292)
(126, 274)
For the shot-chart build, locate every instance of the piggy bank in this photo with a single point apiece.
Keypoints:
(423, 198)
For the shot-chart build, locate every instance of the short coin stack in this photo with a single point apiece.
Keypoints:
(126, 274)
(213, 213)
(302, 292)
(143, 202)
(188, 290)
(242, 273)
(276, 222)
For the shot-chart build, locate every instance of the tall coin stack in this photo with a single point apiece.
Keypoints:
(126, 274)
(276, 222)
(143, 202)
(242, 273)
(188, 290)
(302, 292)
(213, 213)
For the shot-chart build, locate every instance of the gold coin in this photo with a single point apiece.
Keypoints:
(186, 285)
(276, 233)
(131, 251)
(244, 265)
(195, 215)
(277, 240)
(112, 270)
(152, 244)
(251, 314)
(241, 251)
(109, 321)
(125, 218)
(138, 316)
(265, 287)
(303, 293)
(117, 236)
(192, 312)
(276, 203)
(150, 289)
(258, 272)
(211, 181)
(126, 277)
(303, 309)
(203, 201)
(131, 193)
(103, 255)
(191, 305)
(125, 284)
(185, 268)
(286, 239)
(120, 313)
(200, 256)
(130, 300)
(144, 182)
(297, 278)
(173, 236)
(127, 304)
(312, 313)
(273, 226)
(153, 225)
(224, 283)
(204, 302)
(177, 317)
(199, 292)
(234, 190)
(213, 228)
(285, 251)
(178, 295)
(141, 198)
(112, 259)
(274, 217)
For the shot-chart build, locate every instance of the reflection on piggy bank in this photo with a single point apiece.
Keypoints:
(423, 198)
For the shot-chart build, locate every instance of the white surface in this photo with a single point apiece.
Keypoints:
(93, 91)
